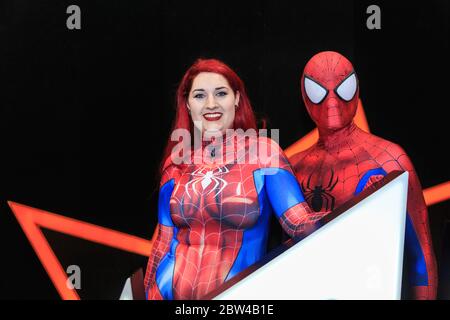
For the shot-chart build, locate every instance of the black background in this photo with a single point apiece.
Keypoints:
(86, 113)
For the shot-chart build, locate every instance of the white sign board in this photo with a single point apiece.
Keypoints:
(357, 255)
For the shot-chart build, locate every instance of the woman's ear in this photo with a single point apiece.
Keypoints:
(188, 107)
(236, 99)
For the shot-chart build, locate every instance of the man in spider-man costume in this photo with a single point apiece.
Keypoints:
(346, 160)
(213, 219)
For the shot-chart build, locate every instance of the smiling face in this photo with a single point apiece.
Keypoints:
(330, 90)
(212, 103)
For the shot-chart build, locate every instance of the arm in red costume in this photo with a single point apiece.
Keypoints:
(163, 238)
(421, 265)
(423, 271)
(286, 197)
(160, 247)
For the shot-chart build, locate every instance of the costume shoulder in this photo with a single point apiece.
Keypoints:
(271, 155)
(387, 154)
(169, 170)
(297, 158)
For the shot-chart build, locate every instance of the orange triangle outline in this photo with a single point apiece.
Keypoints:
(32, 220)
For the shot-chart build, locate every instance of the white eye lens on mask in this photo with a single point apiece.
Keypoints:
(315, 92)
(347, 89)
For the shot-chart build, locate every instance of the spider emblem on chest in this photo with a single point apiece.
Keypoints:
(202, 177)
(320, 196)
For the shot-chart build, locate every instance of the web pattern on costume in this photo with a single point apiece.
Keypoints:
(350, 160)
(212, 206)
(160, 248)
(346, 155)
(299, 219)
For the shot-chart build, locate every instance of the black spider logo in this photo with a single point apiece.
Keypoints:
(319, 195)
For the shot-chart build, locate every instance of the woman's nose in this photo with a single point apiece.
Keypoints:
(211, 102)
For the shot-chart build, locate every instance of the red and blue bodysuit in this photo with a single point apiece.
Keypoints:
(213, 219)
(346, 160)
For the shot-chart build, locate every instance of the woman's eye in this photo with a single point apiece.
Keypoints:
(199, 96)
(221, 93)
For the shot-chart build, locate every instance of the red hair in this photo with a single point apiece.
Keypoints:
(244, 117)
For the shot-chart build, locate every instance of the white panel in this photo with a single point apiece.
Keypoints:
(127, 292)
(358, 255)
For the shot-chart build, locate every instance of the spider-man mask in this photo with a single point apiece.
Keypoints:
(330, 90)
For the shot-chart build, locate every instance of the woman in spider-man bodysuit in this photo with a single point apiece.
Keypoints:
(346, 160)
(213, 216)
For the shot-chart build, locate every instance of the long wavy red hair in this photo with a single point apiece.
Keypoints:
(244, 117)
